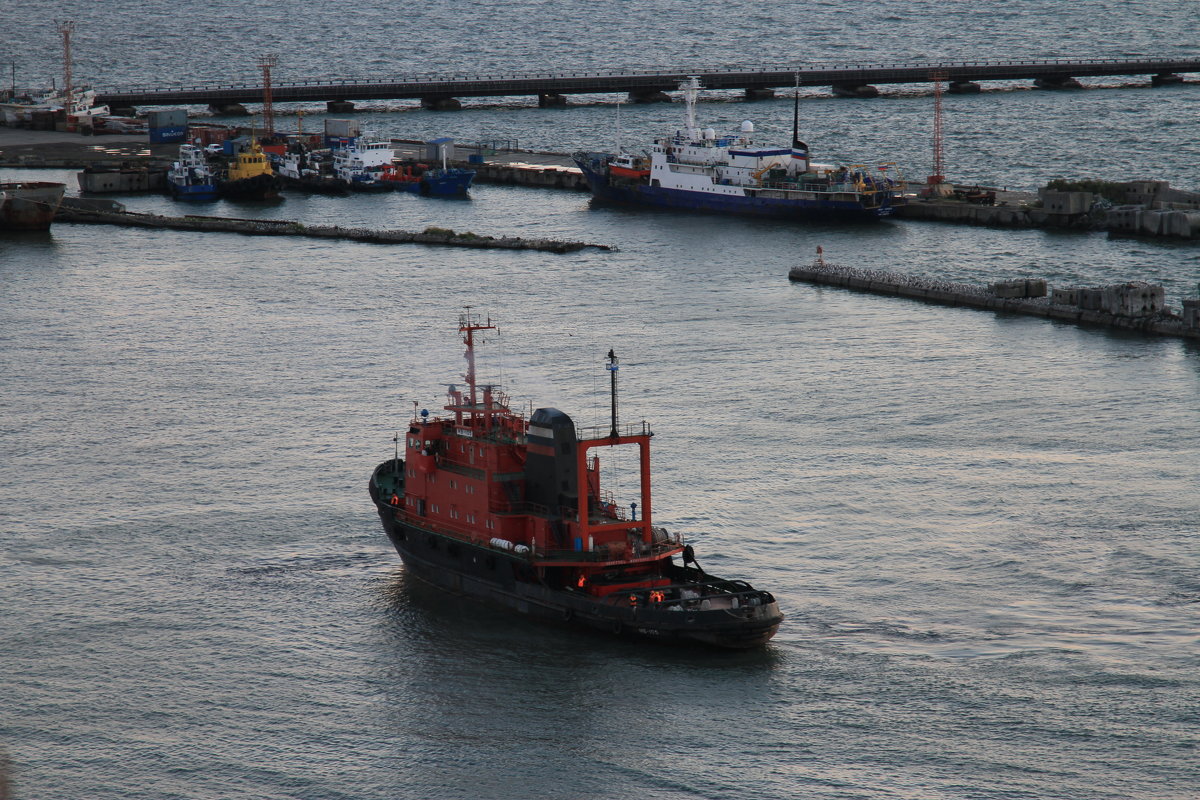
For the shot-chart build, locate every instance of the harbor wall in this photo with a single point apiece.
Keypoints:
(89, 212)
(1159, 322)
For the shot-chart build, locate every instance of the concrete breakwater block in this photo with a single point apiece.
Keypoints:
(1135, 306)
(1018, 289)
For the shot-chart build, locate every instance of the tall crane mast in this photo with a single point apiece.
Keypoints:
(939, 167)
(266, 62)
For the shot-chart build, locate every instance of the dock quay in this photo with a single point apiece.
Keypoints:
(101, 212)
(1133, 306)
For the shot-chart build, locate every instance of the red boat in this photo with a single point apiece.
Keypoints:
(487, 503)
(629, 167)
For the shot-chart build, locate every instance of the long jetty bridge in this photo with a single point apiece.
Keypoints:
(851, 80)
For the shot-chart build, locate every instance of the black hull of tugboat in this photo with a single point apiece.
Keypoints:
(507, 580)
(260, 187)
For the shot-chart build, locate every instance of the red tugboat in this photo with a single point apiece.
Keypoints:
(488, 504)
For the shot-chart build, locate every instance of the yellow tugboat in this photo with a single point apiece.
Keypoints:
(249, 176)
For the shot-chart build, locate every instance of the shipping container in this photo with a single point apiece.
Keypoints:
(207, 133)
(175, 133)
(167, 118)
(236, 145)
(341, 128)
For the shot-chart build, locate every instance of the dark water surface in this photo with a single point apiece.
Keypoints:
(982, 528)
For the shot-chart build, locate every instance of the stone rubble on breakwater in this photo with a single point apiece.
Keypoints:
(1133, 306)
(107, 213)
(1141, 208)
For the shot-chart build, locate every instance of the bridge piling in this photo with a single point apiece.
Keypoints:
(964, 87)
(857, 90)
(227, 109)
(1056, 82)
(649, 96)
(440, 103)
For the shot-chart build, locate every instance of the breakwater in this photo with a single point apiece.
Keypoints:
(1161, 322)
(92, 213)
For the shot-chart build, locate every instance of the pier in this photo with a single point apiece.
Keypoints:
(1133, 306)
(99, 212)
(551, 89)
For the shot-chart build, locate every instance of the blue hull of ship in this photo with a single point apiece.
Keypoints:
(778, 208)
(439, 183)
(194, 191)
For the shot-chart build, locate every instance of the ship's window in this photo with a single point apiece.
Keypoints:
(453, 512)
(490, 523)
(453, 484)
(470, 489)
(434, 508)
(471, 518)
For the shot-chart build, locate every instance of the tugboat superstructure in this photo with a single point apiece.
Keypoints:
(485, 502)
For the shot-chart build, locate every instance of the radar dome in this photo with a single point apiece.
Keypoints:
(710, 133)
(747, 126)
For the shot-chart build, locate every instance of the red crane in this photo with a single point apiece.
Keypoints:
(939, 167)
(266, 63)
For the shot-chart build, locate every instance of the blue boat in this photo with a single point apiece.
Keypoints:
(191, 178)
(700, 171)
(429, 181)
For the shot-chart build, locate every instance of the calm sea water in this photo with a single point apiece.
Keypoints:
(982, 528)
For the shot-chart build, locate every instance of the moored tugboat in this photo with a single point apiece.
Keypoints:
(430, 181)
(489, 504)
(249, 177)
(191, 178)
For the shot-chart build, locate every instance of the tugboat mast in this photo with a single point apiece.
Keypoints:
(614, 364)
(468, 323)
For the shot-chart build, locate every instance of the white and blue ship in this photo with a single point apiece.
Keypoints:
(191, 177)
(698, 170)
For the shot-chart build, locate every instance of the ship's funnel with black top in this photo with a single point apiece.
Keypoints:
(550, 466)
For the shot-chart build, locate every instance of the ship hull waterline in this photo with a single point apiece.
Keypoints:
(466, 569)
(29, 205)
(793, 208)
